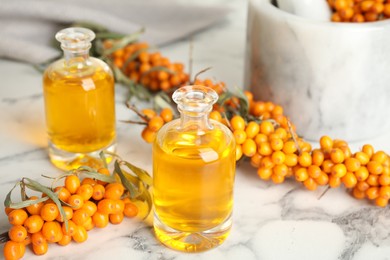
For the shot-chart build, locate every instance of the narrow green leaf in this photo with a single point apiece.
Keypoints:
(39, 187)
(128, 185)
(141, 173)
(8, 200)
(109, 35)
(104, 159)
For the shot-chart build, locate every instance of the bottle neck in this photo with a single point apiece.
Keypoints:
(79, 57)
(194, 121)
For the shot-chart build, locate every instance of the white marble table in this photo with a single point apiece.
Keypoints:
(270, 221)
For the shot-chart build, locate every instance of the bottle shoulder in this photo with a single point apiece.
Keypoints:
(94, 69)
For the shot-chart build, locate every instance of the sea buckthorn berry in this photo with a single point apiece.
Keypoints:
(386, 9)
(314, 171)
(106, 206)
(88, 224)
(327, 166)
(80, 216)
(63, 193)
(114, 191)
(266, 162)
(89, 181)
(362, 185)
(301, 174)
(281, 132)
(384, 192)
(326, 143)
(278, 157)
(255, 160)
(336, 17)
(68, 214)
(261, 138)
(362, 173)
(264, 173)
(80, 234)
(76, 201)
(379, 157)
(280, 169)
(51, 230)
(291, 160)
(237, 122)
(265, 149)
(266, 127)
(358, 194)
(98, 192)
(258, 108)
(148, 113)
(239, 136)
(33, 224)
(339, 170)
(8, 210)
(72, 183)
(384, 179)
(334, 181)
(13, 250)
(317, 157)
(381, 201)
(215, 115)
(167, 115)
(373, 180)
(17, 233)
(34, 209)
(305, 147)
(375, 167)
(38, 239)
(116, 218)
(322, 179)
(252, 129)
(17, 217)
(249, 147)
(89, 207)
(368, 149)
(238, 152)
(148, 135)
(49, 212)
(362, 157)
(304, 159)
(71, 228)
(100, 220)
(366, 5)
(289, 147)
(85, 191)
(276, 144)
(119, 205)
(40, 249)
(310, 184)
(277, 179)
(336, 155)
(349, 180)
(352, 164)
(372, 193)
(65, 240)
(155, 123)
(130, 210)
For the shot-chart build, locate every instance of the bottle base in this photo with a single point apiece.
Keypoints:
(192, 242)
(67, 160)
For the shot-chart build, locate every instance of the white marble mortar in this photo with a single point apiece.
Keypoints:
(331, 78)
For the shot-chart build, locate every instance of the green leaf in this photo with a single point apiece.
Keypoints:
(39, 187)
(8, 201)
(244, 103)
(104, 159)
(128, 185)
(141, 173)
(162, 100)
(109, 35)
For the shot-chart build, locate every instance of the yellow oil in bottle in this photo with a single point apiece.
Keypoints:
(193, 178)
(80, 110)
(79, 103)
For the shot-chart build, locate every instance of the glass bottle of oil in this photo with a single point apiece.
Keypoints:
(79, 102)
(193, 175)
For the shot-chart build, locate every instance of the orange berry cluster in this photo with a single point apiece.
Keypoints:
(154, 122)
(87, 204)
(150, 69)
(359, 11)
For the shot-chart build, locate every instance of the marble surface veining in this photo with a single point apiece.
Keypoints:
(269, 221)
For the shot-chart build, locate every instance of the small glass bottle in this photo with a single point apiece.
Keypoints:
(193, 175)
(79, 103)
